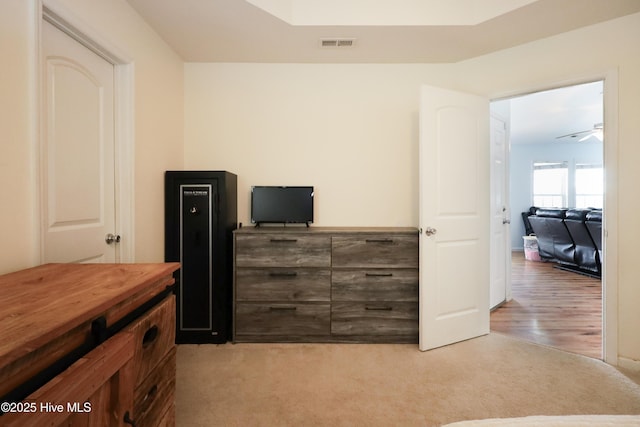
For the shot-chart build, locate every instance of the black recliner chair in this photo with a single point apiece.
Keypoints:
(528, 230)
(554, 240)
(593, 222)
(585, 255)
(570, 237)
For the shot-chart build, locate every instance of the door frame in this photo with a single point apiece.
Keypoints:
(62, 18)
(610, 211)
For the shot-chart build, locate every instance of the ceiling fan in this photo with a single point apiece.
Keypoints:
(597, 132)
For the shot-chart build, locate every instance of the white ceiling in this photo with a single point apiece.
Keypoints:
(387, 12)
(239, 31)
(540, 118)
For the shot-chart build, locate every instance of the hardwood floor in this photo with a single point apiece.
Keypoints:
(552, 307)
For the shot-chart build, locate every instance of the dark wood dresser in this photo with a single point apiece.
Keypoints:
(326, 284)
(88, 344)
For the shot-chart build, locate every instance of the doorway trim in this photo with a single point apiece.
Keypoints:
(610, 211)
(62, 18)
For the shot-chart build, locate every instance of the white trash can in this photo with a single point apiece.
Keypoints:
(531, 248)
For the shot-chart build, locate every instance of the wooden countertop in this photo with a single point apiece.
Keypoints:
(40, 304)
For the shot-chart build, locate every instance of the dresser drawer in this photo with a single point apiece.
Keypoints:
(283, 284)
(375, 251)
(168, 419)
(154, 334)
(100, 378)
(155, 396)
(283, 250)
(383, 318)
(282, 319)
(375, 285)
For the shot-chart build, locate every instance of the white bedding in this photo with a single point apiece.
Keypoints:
(552, 421)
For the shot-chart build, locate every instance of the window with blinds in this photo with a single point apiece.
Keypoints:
(589, 186)
(550, 183)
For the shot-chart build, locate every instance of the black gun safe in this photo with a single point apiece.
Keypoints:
(200, 216)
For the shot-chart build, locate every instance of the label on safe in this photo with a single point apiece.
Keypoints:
(192, 193)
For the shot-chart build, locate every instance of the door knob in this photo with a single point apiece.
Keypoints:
(112, 238)
(506, 221)
(430, 231)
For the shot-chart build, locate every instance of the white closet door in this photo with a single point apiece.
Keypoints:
(454, 217)
(77, 158)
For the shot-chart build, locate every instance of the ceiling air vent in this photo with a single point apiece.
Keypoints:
(337, 42)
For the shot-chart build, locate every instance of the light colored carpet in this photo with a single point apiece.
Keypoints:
(390, 384)
(555, 421)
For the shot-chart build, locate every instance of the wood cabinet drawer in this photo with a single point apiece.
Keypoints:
(154, 334)
(155, 395)
(375, 251)
(375, 285)
(282, 319)
(283, 284)
(168, 419)
(283, 250)
(101, 378)
(383, 318)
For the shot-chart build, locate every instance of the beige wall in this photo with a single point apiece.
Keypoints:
(352, 130)
(158, 124)
(589, 52)
(17, 192)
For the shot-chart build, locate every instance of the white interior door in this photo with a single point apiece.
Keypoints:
(454, 217)
(499, 288)
(77, 158)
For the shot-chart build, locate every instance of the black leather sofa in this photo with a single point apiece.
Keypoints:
(594, 225)
(570, 237)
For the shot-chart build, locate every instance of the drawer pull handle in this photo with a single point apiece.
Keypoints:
(379, 274)
(151, 394)
(150, 336)
(378, 308)
(284, 240)
(379, 240)
(127, 419)
(282, 308)
(283, 274)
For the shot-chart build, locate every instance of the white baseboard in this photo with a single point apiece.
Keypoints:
(630, 364)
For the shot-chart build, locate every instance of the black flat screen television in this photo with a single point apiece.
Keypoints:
(271, 204)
